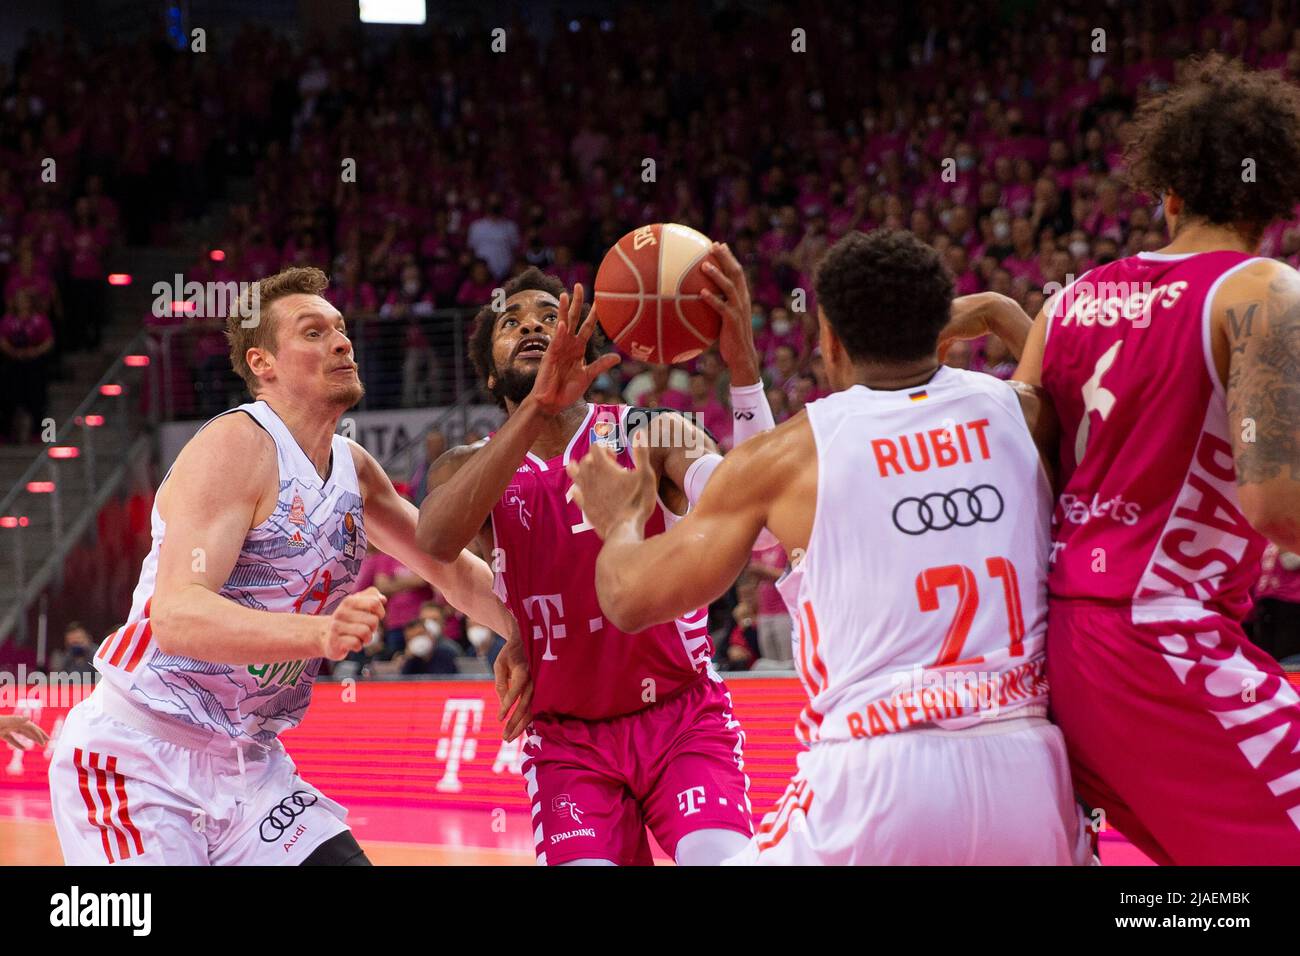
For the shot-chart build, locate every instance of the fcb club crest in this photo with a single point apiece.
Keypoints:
(604, 431)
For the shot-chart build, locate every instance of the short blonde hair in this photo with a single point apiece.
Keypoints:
(260, 334)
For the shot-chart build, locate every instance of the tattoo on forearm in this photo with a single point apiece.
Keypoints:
(1264, 384)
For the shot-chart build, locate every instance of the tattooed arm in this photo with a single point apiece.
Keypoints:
(1257, 350)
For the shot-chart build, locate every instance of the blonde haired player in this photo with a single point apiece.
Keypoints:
(259, 529)
(918, 508)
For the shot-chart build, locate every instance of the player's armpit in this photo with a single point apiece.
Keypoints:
(1260, 317)
(209, 507)
(437, 531)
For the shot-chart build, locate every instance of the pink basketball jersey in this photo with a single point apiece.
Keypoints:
(545, 562)
(1148, 515)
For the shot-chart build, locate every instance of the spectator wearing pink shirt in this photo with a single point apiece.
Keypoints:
(784, 367)
(966, 281)
(26, 338)
(712, 413)
(1022, 262)
(405, 591)
(85, 306)
(772, 618)
(782, 331)
(477, 288)
(997, 359)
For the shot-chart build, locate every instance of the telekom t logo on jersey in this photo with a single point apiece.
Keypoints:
(689, 800)
(544, 603)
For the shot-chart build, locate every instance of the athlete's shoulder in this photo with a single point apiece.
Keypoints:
(203, 470)
(235, 436)
(451, 461)
(1260, 275)
(363, 463)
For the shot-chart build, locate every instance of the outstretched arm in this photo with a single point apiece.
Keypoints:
(1260, 317)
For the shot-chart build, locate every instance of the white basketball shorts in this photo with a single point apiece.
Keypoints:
(995, 794)
(122, 795)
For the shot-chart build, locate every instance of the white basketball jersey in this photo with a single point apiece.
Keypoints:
(302, 559)
(922, 598)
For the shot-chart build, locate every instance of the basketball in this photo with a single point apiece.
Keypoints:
(647, 294)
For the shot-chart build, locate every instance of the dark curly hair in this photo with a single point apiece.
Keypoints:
(480, 339)
(886, 295)
(1193, 140)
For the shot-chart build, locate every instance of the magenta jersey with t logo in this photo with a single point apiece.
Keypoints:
(545, 562)
(1148, 515)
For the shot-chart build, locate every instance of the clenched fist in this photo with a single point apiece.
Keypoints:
(353, 623)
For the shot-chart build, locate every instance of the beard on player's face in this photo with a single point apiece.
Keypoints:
(513, 384)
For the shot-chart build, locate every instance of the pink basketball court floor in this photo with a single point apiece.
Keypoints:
(393, 834)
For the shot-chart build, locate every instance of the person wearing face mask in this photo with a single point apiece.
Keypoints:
(997, 232)
(1080, 252)
(425, 651)
(75, 655)
(781, 331)
(486, 643)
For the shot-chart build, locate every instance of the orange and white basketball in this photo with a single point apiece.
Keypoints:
(647, 294)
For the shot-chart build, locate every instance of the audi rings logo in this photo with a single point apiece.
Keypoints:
(959, 508)
(284, 813)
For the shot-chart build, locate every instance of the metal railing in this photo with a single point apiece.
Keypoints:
(56, 499)
(181, 372)
(405, 361)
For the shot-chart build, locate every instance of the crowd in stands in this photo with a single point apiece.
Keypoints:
(422, 173)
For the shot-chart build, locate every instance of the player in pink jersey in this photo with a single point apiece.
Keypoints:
(915, 505)
(1176, 376)
(629, 730)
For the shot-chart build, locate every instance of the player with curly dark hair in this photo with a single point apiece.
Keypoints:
(511, 382)
(631, 727)
(1176, 376)
(914, 505)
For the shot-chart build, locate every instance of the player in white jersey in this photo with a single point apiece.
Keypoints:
(259, 529)
(915, 507)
